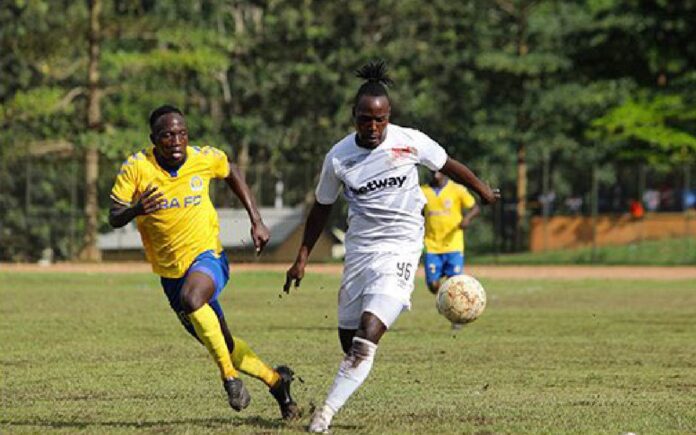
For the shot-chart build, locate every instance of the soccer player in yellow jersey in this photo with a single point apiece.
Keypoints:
(165, 189)
(445, 223)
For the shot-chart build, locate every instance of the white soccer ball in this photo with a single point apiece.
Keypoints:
(461, 299)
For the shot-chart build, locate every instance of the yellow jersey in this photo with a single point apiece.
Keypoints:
(186, 225)
(443, 214)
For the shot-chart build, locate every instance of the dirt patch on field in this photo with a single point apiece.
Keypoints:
(501, 272)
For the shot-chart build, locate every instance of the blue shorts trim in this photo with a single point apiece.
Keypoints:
(216, 267)
(446, 264)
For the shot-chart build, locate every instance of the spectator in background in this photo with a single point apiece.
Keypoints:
(667, 198)
(651, 199)
(574, 204)
(547, 202)
(689, 199)
(636, 209)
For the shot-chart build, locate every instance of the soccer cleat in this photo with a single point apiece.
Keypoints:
(281, 392)
(237, 394)
(321, 420)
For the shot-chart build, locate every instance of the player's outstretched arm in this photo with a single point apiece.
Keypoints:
(259, 233)
(316, 221)
(149, 201)
(461, 174)
(469, 216)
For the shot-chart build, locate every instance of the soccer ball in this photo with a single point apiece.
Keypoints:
(461, 299)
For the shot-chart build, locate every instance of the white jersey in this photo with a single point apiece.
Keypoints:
(381, 186)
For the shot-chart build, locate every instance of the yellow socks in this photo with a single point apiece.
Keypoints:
(207, 327)
(247, 362)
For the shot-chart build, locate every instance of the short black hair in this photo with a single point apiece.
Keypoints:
(376, 80)
(160, 112)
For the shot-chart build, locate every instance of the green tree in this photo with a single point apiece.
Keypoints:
(524, 84)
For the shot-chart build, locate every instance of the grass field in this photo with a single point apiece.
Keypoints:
(666, 252)
(102, 353)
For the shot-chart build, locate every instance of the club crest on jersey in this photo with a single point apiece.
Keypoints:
(403, 151)
(354, 161)
(196, 183)
(373, 185)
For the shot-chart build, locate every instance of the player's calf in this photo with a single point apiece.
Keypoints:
(434, 286)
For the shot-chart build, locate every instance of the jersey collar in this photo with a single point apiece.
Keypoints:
(437, 190)
(357, 145)
(172, 171)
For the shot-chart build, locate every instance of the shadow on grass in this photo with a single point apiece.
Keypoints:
(352, 427)
(324, 328)
(253, 421)
(303, 328)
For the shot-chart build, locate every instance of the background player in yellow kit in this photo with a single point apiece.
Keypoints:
(445, 222)
(165, 188)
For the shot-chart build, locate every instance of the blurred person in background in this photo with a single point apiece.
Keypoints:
(635, 207)
(448, 211)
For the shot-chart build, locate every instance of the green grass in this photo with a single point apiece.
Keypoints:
(102, 353)
(668, 252)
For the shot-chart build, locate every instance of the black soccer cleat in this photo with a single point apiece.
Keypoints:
(237, 394)
(281, 392)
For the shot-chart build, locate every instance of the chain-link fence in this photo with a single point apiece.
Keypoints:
(41, 205)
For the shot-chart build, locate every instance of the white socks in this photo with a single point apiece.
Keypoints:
(352, 372)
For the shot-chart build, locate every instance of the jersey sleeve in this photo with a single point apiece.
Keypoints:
(430, 153)
(466, 198)
(329, 185)
(125, 185)
(217, 159)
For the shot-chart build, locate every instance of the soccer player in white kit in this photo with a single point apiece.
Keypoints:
(376, 169)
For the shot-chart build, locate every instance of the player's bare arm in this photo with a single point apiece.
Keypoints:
(316, 222)
(469, 216)
(461, 174)
(259, 232)
(149, 201)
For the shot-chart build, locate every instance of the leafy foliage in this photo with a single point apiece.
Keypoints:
(272, 81)
(652, 122)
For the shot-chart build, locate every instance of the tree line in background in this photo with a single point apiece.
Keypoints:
(530, 93)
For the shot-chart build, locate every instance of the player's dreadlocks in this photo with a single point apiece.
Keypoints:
(160, 112)
(376, 80)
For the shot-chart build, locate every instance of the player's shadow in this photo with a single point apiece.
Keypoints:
(350, 427)
(326, 328)
(303, 328)
(250, 421)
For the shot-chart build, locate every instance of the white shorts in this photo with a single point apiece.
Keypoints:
(378, 282)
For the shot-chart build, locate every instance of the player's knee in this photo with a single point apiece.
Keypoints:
(192, 300)
(368, 334)
(371, 328)
(434, 286)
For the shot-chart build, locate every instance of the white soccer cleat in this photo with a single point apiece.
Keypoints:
(321, 420)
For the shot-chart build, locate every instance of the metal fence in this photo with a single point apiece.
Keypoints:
(41, 201)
